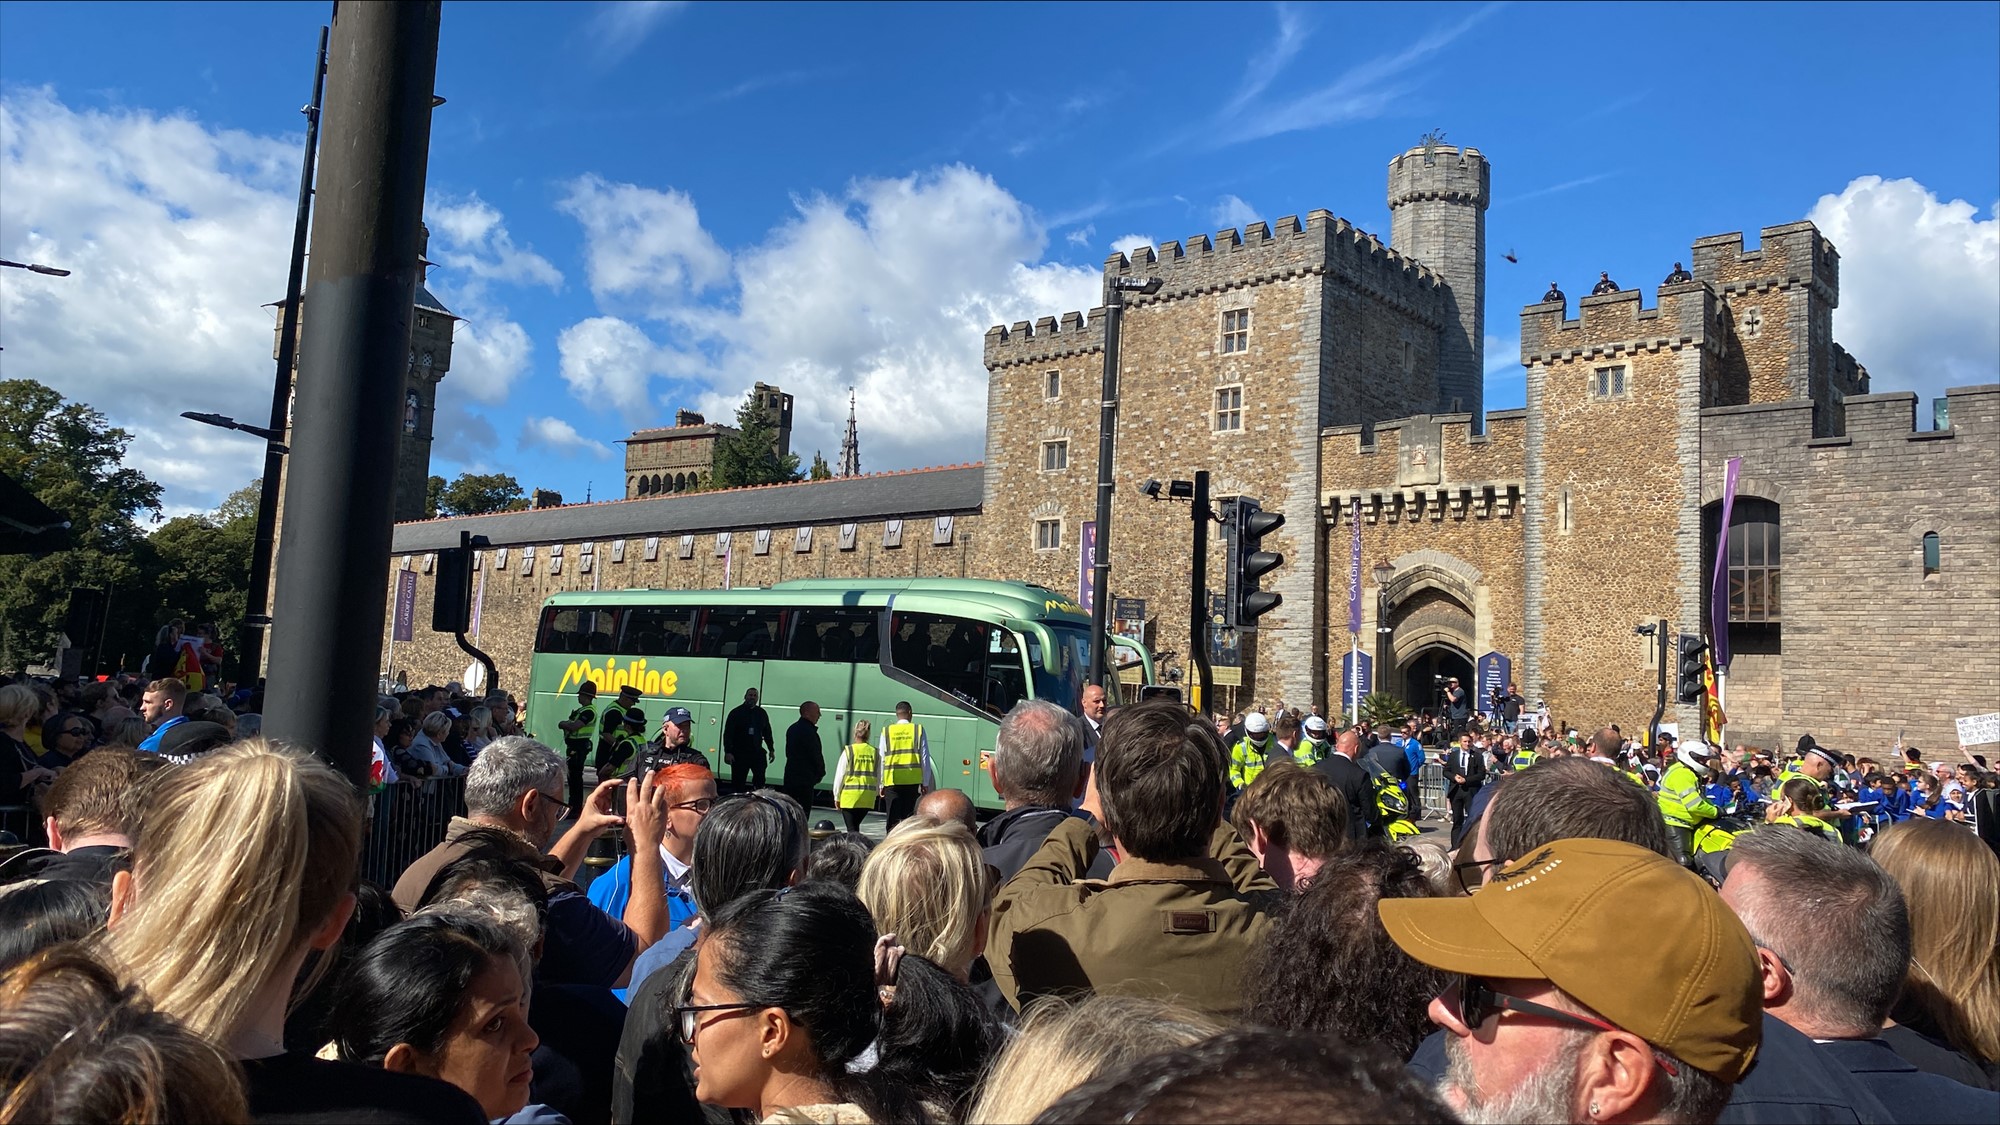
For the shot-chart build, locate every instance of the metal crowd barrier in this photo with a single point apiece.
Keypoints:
(404, 822)
(1430, 789)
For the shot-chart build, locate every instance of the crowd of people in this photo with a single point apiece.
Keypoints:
(1173, 917)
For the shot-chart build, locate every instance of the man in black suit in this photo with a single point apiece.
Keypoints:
(805, 756)
(1464, 773)
(1348, 775)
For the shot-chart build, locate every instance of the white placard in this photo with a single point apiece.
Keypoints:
(1979, 730)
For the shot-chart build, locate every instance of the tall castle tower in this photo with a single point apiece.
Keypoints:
(1437, 215)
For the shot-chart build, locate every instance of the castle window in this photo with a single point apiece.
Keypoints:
(1409, 358)
(1048, 535)
(1055, 456)
(1052, 386)
(1752, 321)
(1933, 554)
(1607, 384)
(1235, 331)
(1753, 561)
(1229, 408)
(1563, 512)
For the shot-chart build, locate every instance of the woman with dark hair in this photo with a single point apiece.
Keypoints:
(1330, 965)
(442, 995)
(36, 914)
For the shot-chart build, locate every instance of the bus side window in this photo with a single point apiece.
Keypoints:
(827, 633)
(656, 631)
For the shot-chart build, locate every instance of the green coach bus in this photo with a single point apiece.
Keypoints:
(961, 652)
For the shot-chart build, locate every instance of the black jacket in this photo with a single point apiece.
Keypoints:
(1351, 778)
(805, 758)
(1473, 769)
(1011, 838)
(747, 732)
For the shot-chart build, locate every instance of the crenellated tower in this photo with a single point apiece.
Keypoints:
(1437, 215)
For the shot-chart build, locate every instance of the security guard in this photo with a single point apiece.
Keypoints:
(610, 724)
(906, 765)
(1247, 757)
(857, 777)
(579, 735)
(1314, 745)
(1680, 796)
(1800, 804)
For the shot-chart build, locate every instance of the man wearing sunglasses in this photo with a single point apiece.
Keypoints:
(1598, 982)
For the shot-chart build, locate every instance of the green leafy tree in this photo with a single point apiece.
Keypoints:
(71, 459)
(433, 492)
(1381, 708)
(199, 566)
(474, 494)
(819, 470)
(750, 455)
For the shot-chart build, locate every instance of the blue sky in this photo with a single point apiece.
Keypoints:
(639, 207)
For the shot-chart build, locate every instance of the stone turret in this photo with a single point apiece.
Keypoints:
(1437, 212)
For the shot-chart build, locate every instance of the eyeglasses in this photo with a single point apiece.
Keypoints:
(1478, 1003)
(556, 801)
(699, 806)
(686, 1022)
(1471, 874)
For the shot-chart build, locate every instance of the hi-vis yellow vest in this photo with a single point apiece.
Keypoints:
(903, 765)
(859, 784)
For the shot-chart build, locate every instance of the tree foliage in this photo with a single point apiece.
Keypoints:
(71, 459)
(820, 470)
(474, 494)
(1381, 708)
(750, 455)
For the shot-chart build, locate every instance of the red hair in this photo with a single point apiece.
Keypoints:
(676, 779)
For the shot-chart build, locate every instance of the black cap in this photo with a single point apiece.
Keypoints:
(822, 829)
(185, 741)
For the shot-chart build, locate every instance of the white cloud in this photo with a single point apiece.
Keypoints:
(474, 253)
(561, 437)
(620, 27)
(488, 355)
(1082, 235)
(1919, 285)
(1126, 243)
(463, 439)
(608, 362)
(471, 237)
(643, 244)
(176, 234)
(1231, 211)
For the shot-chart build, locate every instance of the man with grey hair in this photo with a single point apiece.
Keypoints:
(515, 787)
(1833, 943)
(1037, 768)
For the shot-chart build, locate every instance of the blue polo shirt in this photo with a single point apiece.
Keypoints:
(152, 743)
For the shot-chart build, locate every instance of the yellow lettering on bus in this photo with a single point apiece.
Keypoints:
(652, 683)
(610, 678)
(1058, 605)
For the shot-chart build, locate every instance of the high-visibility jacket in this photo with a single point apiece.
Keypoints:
(1681, 799)
(1523, 758)
(610, 724)
(904, 763)
(1791, 772)
(860, 781)
(583, 736)
(1247, 760)
(1810, 823)
(1310, 751)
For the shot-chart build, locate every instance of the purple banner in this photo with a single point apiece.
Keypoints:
(1086, 556)
(1718, 595)
(406, 605)
(1354, 571)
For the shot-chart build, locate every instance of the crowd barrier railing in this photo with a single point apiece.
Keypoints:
(404, 822)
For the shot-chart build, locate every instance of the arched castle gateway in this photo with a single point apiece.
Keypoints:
(1308, 364)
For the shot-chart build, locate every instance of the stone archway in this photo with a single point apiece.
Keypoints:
(1429, 607)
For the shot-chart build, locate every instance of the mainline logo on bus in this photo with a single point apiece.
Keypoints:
(609, 677)
(1059, 605)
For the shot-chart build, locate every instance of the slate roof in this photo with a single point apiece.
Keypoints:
(906, 495)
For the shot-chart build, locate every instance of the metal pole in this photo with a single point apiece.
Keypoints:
(339, 499)
(1107, 431)
(256, 606)
(1660, 702)
(1198, 599)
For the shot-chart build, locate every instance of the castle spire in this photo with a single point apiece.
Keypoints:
(850, 445)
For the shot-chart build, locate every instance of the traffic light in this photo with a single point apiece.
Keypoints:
(1690, 683)
(1249, 523)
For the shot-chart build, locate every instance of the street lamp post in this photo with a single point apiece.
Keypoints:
(33, 267)
(1383, 572)
(1107, 432)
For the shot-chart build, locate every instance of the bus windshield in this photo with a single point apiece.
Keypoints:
(1059, 674)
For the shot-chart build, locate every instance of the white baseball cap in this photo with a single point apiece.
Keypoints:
(1256, 723)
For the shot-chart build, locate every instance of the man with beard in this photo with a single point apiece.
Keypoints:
(1559, 1015)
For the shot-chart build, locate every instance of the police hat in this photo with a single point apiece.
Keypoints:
(635, 717)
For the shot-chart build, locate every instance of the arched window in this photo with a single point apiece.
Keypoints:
(1933, 554)
(1753, 561)
(680, 482)
(656, 482)
(638, 486)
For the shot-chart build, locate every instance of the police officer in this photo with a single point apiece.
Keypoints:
(857, 777)
(580, 734)
(1525, 756)
(611, 724)
(627, 743)
(1314, 745)
(1681, 800)
(1247, 757)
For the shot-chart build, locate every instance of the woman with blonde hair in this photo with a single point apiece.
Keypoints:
(857, 777)
(243, 862)
(1063, 1044)
(926, 884)
(1951, 882)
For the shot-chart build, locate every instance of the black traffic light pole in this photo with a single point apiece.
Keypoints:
(1107, 440)
(1198, 596)
(256, 608)
(339, 501)
(1659, 629)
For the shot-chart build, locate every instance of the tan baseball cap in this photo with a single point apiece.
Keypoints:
(1623, 930)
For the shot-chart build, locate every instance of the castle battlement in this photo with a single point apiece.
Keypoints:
(1048, 338)
(1793, 254)
(1872, 420)
(1259, 252)
(1617, 322)
(1440, 172)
